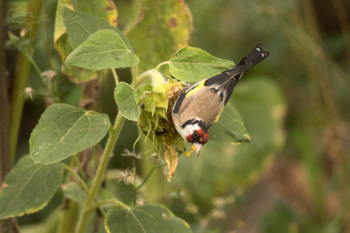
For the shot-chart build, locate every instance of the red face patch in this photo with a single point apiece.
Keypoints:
(199, 136)
(189, 138)
(203, 137)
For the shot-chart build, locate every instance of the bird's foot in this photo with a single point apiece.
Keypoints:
(189, 152)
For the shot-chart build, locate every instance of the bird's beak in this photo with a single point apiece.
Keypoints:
(198, 147)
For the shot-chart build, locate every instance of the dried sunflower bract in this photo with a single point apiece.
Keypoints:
(156, 98)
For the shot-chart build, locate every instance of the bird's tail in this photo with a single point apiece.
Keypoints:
(255, 56)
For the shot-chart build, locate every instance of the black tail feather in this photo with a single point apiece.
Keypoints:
(228, 79)
(256, 55)
(246, 63)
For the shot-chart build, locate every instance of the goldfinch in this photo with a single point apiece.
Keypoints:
(199, 107)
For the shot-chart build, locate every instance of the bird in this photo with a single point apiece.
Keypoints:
(200, 106)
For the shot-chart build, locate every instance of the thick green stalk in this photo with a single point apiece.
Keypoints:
(96, 184)
(20, 82)
(68, 217)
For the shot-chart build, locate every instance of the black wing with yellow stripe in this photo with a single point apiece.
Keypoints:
(224, 83)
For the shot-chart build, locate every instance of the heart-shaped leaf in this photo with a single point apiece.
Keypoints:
(103, 49)
(148, 218)
(192, 64)
(80, 25)
(64, 130)
(124, 96)
(29, 187)
(229, 128)
(165, 26)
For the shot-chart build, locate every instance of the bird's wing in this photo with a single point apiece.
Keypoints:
(201, 103)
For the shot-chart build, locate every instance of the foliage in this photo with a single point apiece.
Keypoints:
(146, 218)
(22, 193)
(103, 49)
(154, 62)
(85, 40)
(64, 130)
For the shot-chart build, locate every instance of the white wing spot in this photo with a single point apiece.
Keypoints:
(227, 72)
(262, 55)
(258, 49)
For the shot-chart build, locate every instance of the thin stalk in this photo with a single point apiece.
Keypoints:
(81, 171)
(161, 64)
(41, 76)
(134, 74)
(69, 175)
(47, 39)
(86, 189)
(104, 202)
(115, 76)
(149, 174)
(134, 181)
(20, 82)
(113, 136)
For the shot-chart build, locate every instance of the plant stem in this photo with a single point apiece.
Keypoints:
(149, 174)
(134, 74)
(77, 176)
(115, 76)
(56, 99)
(161, 64)
(103, 202)
(81, 171)
(113, 136)
(68, 217)
(134, 181)
(20, 82)
(6, 225)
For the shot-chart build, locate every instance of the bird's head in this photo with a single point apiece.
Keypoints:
(197, 134)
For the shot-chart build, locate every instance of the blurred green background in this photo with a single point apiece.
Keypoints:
(294, 174)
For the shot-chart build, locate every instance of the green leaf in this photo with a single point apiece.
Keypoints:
(149, 103)
(60, 37)
(64, 130)
(161, 101)
(79, 75)
(124, 96)
(192, 64)
(161, 112)
(74, 192)
(229, 128)
(165, 27)
(140, 91)
(103, 49)
(105, 9)
(29, 187)
(81, 25)
(262, 106)
(71, 23)
(148, 218)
